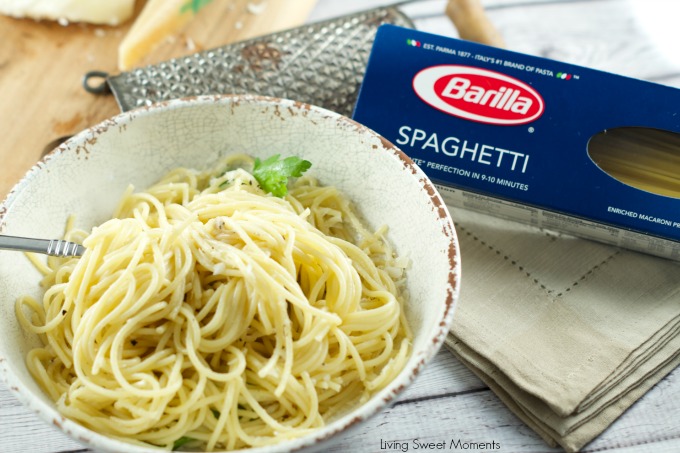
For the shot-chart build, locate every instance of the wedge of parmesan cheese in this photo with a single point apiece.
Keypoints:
(109, 12)
(158, 20)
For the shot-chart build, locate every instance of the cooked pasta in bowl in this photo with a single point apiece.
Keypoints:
(258, 274)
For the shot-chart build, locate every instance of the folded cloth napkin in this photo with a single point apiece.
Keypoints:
(567, 332)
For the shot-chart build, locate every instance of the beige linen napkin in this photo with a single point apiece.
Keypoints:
(568, 333)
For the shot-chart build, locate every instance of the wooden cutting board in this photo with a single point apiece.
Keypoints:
(42, 64)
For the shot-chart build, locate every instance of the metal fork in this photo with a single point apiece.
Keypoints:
(52, 247)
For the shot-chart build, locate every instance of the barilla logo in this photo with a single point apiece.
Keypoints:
(478, 94)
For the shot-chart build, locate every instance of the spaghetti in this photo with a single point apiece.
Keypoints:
(210, 312)
(644, 158)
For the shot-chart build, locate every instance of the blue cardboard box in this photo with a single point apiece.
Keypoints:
(512, 134)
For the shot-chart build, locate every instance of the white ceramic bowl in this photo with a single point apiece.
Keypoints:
(86, 176)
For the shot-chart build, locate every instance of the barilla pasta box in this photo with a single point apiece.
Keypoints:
(529, 139)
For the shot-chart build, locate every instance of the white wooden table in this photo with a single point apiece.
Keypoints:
(447, 402)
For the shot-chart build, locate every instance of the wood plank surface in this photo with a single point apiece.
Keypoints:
(42, 64)
(447, 402)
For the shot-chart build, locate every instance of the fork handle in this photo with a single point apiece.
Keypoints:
(52, 247)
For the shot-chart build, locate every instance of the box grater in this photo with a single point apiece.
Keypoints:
(321, 64)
